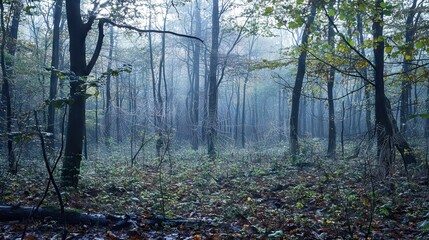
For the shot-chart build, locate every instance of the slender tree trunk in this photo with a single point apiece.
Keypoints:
(108, 108)
(161, 109)
(237, 113)
(321, 117)
(205, 102)
(118, 104)
(228, 129)
(281, 115)
(304, 117)
(213, 85)
(54, 64)
(313, 115)
(406, 67)
(332, 133)
(96, 120)
(196, 77)
(255, 117)
(243, 116)
(367, 86)
(296, 94)
(9, 39)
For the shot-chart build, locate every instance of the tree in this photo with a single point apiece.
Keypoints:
(367, 85)
(296, 93)
(8, 43)
(215, 79)
(246, 74)
(79, 69)
(108, 111)
(410, 25)
(196, 77)
(213, 82)
(332, 134)
(388, 134)
(54, 64)
(383, 125)
(243, 111)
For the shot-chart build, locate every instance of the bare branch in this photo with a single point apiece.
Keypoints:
(149, 30)
(236, 41)
(359, 74)
(285, 84)
(98, 46)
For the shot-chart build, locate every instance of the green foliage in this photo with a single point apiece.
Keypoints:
(59, 102)
(265, 64)
(423, 116)
(288, 202)
(331, 12)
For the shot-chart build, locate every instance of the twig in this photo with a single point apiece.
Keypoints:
(50, 172)
(141, 147)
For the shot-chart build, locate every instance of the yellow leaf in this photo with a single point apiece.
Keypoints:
(388, 49)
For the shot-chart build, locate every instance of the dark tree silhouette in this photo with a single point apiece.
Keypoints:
(296, 93)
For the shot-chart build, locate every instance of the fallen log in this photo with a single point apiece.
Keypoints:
(17, 213)
(74, 217)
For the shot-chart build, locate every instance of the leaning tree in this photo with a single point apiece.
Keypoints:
(79, 70)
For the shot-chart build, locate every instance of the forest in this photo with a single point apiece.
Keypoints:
(219, 119)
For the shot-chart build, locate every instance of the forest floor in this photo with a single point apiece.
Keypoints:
(240, 195)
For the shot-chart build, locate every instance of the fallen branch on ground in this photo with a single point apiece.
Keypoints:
(74, 217)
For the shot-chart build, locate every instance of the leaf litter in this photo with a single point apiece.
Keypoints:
(258, 196)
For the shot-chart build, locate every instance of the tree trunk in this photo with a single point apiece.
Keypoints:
(388, 134)
(385, 151)
(205, 102)
(400, 143)
(303, 113)
(54, 77)
(96, 120)
(367, 86)
(406, 67)
(281, 115)
(9, 38)
(255, 118)
(313, 116)
(243, 116)
(118, 104)
(78, 67)
(332, 133)
(116, 222)
(108, 109)
(321, 117)
(157, 114)
(213, 86)
(296, 93)
(196, 77)
(162, 120)
(237, 114)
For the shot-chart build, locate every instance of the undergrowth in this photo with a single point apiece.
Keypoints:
(247, 194)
